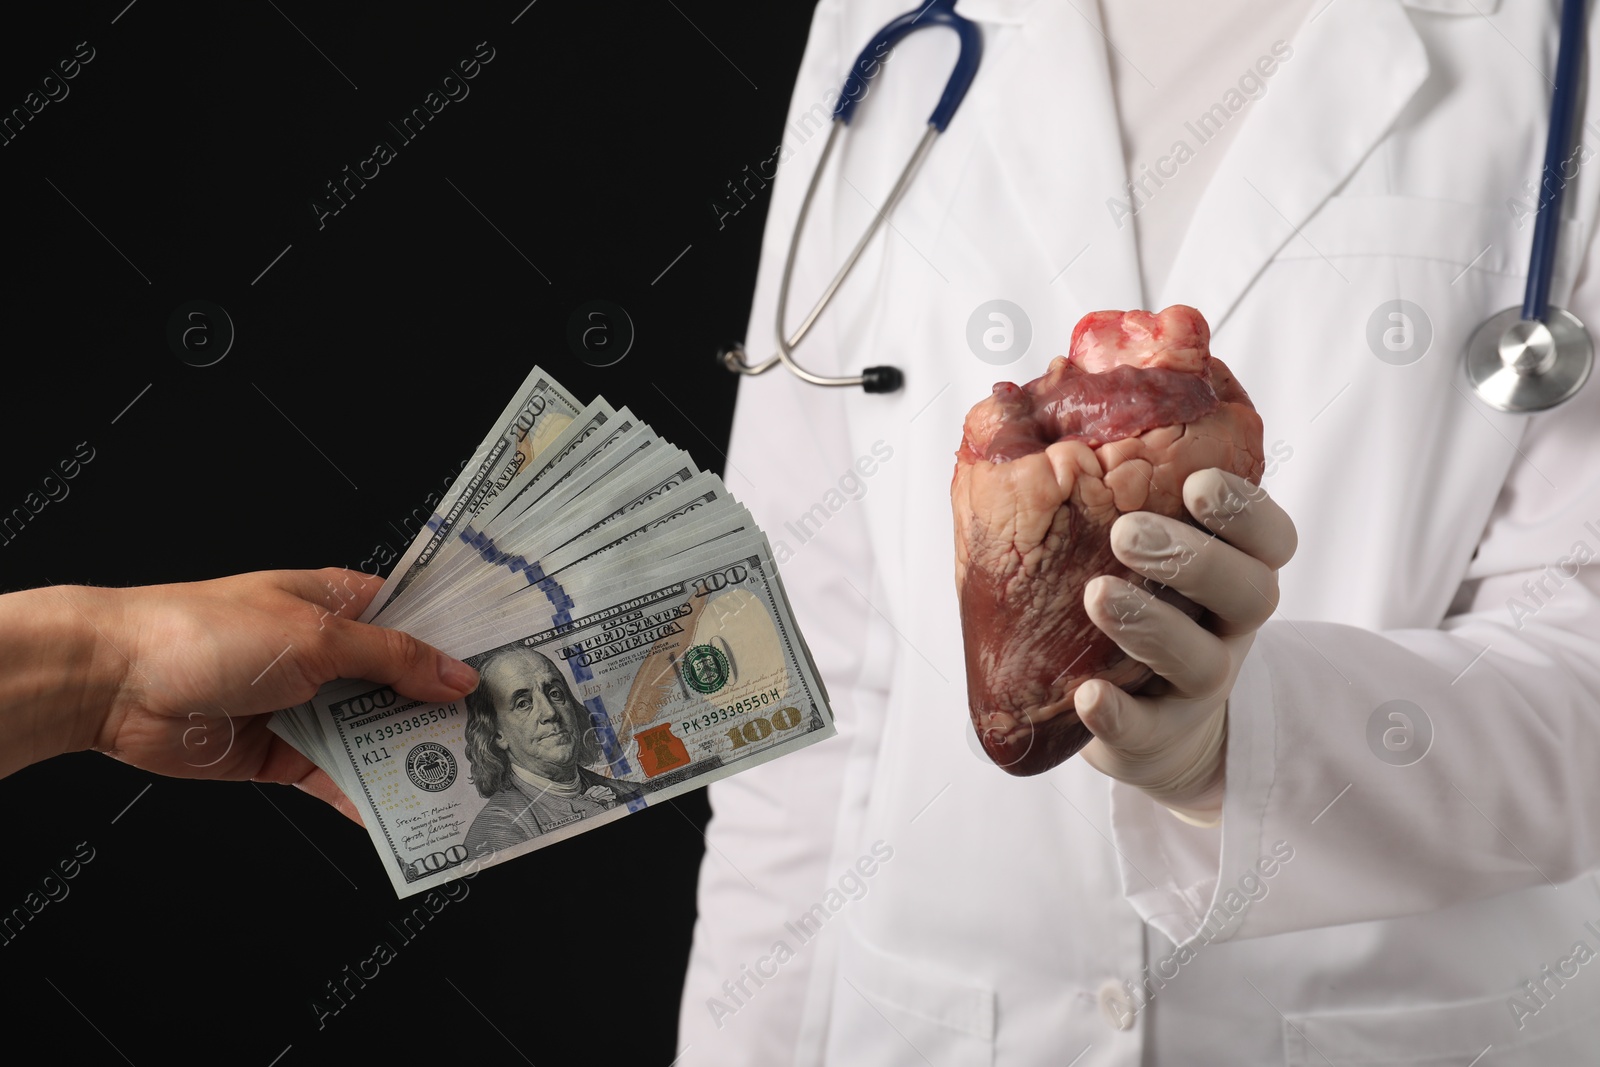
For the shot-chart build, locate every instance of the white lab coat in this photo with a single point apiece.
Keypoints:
(1015, 918)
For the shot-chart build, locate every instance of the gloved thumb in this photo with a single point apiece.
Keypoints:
(1172, 752)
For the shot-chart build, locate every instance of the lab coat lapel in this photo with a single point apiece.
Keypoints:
(1053, 121)
(1353, 68)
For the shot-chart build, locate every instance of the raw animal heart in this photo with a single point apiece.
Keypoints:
(1043, 471)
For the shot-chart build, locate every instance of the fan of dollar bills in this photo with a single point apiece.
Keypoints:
(629, 626)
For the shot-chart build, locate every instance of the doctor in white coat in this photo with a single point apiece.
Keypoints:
(1400, 874)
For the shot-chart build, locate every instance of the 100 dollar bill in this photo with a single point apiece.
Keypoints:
(617, 704)
(527, 428)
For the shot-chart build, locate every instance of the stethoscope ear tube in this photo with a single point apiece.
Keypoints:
(884, 379)
(870, 62)
(881, 379)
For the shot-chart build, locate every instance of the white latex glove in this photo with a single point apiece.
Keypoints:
(1171, 740)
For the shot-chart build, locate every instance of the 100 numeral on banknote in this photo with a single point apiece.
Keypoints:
(611, 708)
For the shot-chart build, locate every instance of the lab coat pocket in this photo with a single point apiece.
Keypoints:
(1482, 241)
(1563, 1029)
(1449, 232)
(889, 1010)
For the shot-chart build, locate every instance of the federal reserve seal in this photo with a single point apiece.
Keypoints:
(705, 668)
(431, 766)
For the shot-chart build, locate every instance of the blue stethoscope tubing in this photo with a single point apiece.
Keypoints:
(867, 66)
(1532, 358)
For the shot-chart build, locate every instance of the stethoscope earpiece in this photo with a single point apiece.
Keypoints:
(883, 379)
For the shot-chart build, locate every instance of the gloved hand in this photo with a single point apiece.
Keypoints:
(1171, 740)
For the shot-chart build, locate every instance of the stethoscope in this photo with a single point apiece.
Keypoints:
(1523, 359)
(1537, 356)
(867, 66)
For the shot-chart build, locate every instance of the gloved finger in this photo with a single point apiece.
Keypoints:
(1169, 749)
(1191, 658)
(392, 657)
(1137, 737)
(1242, 514)
(1109, 713)
(1239, 589)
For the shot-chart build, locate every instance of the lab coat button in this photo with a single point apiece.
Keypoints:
(1116, 1005)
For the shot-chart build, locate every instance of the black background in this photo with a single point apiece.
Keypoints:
(369, 360)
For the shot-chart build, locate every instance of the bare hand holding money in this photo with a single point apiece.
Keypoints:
(177, 679)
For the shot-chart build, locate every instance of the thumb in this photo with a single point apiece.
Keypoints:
(378, 654)
(1114, 717)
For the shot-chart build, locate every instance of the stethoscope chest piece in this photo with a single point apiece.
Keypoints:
(1526, 365)
(1533, 357)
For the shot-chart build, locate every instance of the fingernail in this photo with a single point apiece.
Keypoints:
(457, 675)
